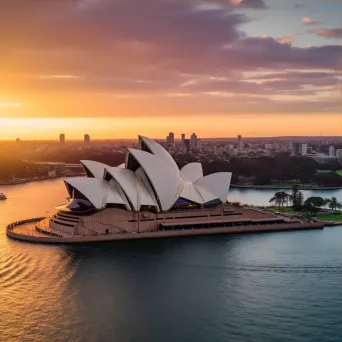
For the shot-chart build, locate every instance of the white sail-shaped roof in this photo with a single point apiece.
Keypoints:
(158, 151)
(191, 172)
(92, 188)
(145, 192)
(115, 195)
(127, 181)
(150, 177)
(190, 193)
(205, 194)
(94, 168)
(132, 186)
(216, 183)
(165, 181)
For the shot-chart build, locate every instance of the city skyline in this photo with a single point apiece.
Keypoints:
(217, 67)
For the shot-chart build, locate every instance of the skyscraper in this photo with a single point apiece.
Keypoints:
(295, 149)
(239, 142)
(193, 141)
(182, 140)
(62, 138)
(87, 139)
(304, 149)
(331, 151)
(186, 148)
(170, 138)
(339, 155)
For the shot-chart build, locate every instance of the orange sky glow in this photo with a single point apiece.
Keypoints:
(116, 69)
(206, 127)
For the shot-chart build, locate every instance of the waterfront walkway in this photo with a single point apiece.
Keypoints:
(24, 231)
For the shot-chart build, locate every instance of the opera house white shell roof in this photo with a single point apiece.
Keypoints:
(149, 177)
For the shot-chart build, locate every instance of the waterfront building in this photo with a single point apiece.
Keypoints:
(62, 138)
(140, 194)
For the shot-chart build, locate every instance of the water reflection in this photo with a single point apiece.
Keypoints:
(261, 287)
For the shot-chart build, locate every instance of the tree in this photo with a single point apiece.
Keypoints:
(297, 198)
(315, 201)
(279, 198)
(334, 203)
(309, 210)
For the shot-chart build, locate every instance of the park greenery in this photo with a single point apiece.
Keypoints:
(315, 206)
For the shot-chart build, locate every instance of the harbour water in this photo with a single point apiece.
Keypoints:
(255, 287)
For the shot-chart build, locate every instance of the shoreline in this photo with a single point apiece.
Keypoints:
(326, 223)
(275, 187)
(50, 239)
(24, 181)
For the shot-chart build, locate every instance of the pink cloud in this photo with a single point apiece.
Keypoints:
(286, 39)
(309, 21)
(256, 4)
(146, 47)
(329, 33)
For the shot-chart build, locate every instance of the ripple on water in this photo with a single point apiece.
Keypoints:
(281, 287)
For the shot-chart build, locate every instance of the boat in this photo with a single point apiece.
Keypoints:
(2, 196)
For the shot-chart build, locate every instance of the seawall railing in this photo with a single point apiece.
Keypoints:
(157, 234)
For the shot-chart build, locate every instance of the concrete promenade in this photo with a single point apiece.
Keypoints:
(15, 231)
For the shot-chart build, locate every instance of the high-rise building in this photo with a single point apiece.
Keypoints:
(186, 148)
(239, 142)
(295, 149)
(339, 155)
(304, 149)
(62, 138)
(331, 151)
(87, 139)
(182, 140)
(193, 141)
(170, 139)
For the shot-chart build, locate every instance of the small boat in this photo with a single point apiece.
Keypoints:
(2, 196)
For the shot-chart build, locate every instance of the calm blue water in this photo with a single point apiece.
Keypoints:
(254, 287)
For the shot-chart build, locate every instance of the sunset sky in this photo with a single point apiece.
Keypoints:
(118, 68)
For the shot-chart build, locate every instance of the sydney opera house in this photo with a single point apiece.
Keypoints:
(146, 193)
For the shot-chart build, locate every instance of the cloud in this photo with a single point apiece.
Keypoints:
(255, 4)
(329, 33)
(286, 39)
(309, 21)
(149, 48)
